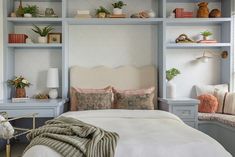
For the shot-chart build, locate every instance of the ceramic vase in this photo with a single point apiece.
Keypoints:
(42, 40)
(171, 90)
(28, 15)
(20, 93)
(117, 11)
(101, 15)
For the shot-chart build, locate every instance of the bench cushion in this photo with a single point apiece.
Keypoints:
(222, 118)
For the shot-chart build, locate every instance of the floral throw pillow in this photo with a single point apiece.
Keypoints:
(134, 99)
(94, 101)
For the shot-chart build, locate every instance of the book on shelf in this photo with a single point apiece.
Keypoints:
(20, 99)
(207, 41)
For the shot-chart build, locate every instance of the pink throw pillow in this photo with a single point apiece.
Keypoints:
(208, 103)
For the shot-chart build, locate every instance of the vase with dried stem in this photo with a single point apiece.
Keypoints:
(20, 10)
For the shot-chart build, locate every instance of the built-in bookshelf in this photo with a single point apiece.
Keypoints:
(66, 10)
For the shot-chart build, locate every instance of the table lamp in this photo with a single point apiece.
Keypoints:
(53, 82)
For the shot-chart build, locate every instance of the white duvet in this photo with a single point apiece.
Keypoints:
(145, 134)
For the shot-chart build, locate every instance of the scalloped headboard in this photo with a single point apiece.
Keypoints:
(124, 77)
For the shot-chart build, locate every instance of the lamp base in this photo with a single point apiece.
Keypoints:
(53, 93)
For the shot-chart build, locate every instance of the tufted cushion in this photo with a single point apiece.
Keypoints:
(208, 103)
(222, 118)
(6, 129)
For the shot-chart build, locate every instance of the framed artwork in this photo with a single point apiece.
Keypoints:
(54, 38)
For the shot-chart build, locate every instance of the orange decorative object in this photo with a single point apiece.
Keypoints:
(203, 11)
(208, 103)
(20, 93)
(215, 13)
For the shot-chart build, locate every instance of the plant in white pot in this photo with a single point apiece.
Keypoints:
(42, 33)
(118, 7)
(30, 11)
(171, 87)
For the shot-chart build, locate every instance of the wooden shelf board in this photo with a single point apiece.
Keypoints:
(196, 21)
(35, 45)
(112, 21)
(197, 45)
(34, 20)
(191, 1)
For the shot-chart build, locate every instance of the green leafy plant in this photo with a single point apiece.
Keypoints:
(19, 82)
(102, 10)
(119, 4)
(206, 33)
(31, 9)
(171, 73)
(44, 31)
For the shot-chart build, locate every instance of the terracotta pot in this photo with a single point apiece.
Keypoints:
(20, 93)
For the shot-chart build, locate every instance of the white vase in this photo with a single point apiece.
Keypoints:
(117, 11)
(27, 15)
(171, 90)
(42, 40)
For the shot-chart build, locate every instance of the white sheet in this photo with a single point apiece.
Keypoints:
(145, 134)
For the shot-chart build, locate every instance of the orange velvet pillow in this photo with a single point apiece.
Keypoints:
(208, 103)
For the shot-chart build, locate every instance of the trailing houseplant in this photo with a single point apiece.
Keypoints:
(42, 32)
(118, 7)
(19, 83)
(102, 12)
(171, 87)
(30, 11)
(206, 34)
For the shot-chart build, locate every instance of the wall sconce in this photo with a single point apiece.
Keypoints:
(205, 58)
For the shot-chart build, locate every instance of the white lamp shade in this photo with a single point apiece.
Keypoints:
(53, 78)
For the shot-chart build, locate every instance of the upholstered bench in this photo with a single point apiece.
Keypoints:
(219, 126)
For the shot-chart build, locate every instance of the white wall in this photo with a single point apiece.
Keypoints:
(112, 45)
(1, 50)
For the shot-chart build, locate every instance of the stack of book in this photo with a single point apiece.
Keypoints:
(180, 13)
(17, 38)
(207, 41)
(83, 14)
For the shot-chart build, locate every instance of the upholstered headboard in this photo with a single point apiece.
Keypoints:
(125, 77)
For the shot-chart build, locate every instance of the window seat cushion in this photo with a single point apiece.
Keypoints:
(222, 118)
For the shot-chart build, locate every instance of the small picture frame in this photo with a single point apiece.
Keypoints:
(54, 38)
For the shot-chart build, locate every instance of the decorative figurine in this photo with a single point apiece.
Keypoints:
(183, 38)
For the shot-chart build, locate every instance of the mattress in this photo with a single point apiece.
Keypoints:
(145, 134)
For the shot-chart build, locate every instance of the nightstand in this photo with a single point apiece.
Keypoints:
(45, 108)
(185, 108)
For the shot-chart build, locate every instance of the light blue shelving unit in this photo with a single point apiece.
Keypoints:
(159, 6)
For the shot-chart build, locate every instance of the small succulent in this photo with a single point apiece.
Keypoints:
(44, 31)
(33, 9)
(119, 4)
(170, 74)
(102, 10)
(206, 33)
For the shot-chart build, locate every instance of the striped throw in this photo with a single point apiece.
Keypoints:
(73, 138)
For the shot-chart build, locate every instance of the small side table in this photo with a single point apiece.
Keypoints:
(45, 108)
(185, 108)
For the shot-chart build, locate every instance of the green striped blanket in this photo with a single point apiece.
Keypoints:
(73, 138)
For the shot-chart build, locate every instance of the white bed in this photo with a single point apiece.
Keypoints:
(142, 133)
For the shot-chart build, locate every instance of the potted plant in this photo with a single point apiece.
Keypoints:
(30, 11)
(19, 83)
(42, 33)
(171, 87)
(118, 7)
(206, 34)
(102, 12)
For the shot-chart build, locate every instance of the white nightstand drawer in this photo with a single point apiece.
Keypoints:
(184, 111)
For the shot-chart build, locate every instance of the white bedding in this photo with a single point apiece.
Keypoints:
(145, 134)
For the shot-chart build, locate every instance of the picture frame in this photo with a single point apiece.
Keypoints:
(54, 38)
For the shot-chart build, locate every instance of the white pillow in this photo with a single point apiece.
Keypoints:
(6, 129)
(210, 89)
